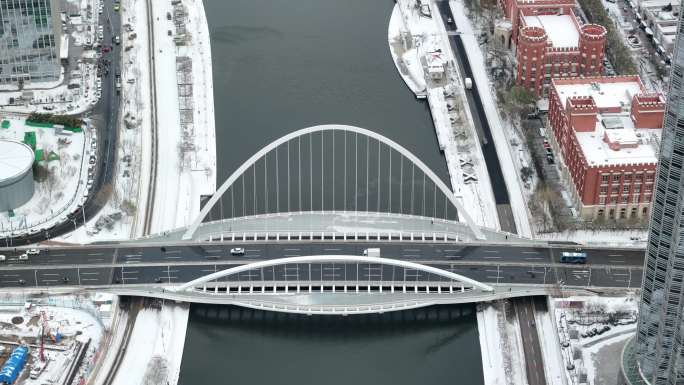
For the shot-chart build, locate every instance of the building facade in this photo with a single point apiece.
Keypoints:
(557, 46)
(606, 131)
(30, 33)
(660, 331)
(551, 43)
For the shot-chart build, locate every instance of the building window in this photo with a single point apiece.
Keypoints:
(638, 178)
(604, 178)
(628, 178)
(625, 189)
(615, 189)
(649, 177)
(633, 214)
(616, 178)
(625, 199)
(635, 198)
(611, 213)
(613, 200)
(600, 213)
(637, 189)
(623, 213)
(602, 200)
(644, 212)
(604, 190)
(649, 188)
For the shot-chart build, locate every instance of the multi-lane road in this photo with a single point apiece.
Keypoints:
(109, 264)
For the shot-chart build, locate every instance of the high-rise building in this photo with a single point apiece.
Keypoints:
(657, 354)
(29, 41)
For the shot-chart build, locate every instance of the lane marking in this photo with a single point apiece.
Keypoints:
(93, 254)
(492, 257)
(173, 252)
(530, 252)
(491, 251)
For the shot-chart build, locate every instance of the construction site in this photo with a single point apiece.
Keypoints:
(52, 340)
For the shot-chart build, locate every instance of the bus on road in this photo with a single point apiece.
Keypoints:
(573, 257)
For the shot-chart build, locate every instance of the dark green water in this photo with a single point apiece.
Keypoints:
(230, 345)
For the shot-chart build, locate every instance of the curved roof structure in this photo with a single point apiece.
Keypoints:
(16, 159)
(333, 259)
(332, 127)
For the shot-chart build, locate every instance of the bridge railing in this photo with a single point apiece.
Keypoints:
(341, 287)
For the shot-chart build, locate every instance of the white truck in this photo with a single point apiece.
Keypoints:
(468, 83)
(375, 252)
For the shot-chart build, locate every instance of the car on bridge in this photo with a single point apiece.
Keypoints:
(237, 251)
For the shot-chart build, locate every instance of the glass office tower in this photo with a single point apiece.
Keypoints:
(659, 345)
(29, 41)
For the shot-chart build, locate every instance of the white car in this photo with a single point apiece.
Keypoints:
(23, 257)
(3, 258)
(237, 251)
(32, 251)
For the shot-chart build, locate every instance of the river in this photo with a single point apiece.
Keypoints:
(279, 66)
(236, 346)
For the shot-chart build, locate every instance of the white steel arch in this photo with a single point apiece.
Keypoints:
(333, 259)
(332, 127)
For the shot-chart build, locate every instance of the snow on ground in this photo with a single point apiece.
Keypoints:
(61, 191)
(186, 159)
(155, 348)
(449, 106)
(550, 347)
(614, 238)
(406, 60)
(577, 316)
(134, 150)
(501, 141)
(73, 318)
(502, 355)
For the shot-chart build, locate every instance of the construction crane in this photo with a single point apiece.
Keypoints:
(43, 330)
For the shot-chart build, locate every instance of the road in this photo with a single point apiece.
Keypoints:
(505, 213)
(534, 359)
(105, 118)
(107, 264)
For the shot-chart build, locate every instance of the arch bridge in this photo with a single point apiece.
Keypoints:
(333, 284)
(329, 170)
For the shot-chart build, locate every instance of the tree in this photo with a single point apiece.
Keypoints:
(526, 173)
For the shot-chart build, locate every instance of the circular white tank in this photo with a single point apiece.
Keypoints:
(16, 174)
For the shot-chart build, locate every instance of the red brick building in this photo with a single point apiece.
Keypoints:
(606, 131)
(550, 42)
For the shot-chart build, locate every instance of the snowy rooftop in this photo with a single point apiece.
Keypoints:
(15, 159)
(560, 29)
(597, 152)
(638, 145)
(605, 94)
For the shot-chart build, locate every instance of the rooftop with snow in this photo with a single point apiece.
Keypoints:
(615, 120)
(562, 30)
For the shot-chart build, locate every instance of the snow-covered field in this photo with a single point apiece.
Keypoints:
(61, 190)
(155, 348)
(186, 162)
